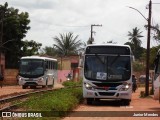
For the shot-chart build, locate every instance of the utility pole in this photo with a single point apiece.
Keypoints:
(1, 28)
(148, 46)
(148, 50)
(1, 36)
(92, 31)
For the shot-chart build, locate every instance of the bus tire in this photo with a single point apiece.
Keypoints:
(126, 102)
(24, 86)
(89, 101)
(46, 83)
(50, 86)
(33, 87)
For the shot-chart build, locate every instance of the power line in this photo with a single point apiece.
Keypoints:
(71, 25)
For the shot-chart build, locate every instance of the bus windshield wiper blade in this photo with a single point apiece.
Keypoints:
(115, 59)
(99, 59)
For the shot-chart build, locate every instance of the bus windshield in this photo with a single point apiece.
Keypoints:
(107, 67)
(31, 67)
(157, 65)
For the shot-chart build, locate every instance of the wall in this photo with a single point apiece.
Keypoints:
(62, 75)
(10, 76)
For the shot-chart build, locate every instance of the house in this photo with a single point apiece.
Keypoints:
(68, 65)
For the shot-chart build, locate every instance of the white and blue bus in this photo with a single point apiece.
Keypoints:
(156, 82)
(107, 72)
(37, 71)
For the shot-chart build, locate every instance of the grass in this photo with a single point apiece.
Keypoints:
(55, 104)
(71, 83)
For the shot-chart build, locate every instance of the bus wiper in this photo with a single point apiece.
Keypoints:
(99, 59)
(115, 59)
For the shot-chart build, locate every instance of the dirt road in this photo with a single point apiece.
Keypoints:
(120, 112)
(14, 90)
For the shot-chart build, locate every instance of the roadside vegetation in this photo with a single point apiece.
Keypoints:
(55, 104)
(71, 83)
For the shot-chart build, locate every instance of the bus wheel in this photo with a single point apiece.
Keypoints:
(33, 87)
(89, 101)
(46, 83)
(50, 86)
(126, 102)
(24, 87)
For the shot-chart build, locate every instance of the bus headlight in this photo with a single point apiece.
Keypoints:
(40, 80)
(88, 86)
(125, 87)
(19, 78)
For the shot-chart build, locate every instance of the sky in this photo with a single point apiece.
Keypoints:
(49, 18)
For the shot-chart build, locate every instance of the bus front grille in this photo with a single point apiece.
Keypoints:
(107, 93)
(31, 83)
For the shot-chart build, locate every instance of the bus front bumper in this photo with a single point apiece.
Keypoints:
(107, 94)
(32, 82)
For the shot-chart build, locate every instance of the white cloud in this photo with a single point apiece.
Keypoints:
(51, 17)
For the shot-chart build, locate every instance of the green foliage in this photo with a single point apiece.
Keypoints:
(90, 41)
(67, 44)
(153, 52)
(156, 29)
(139, 53)
(138, 67)
(134, 36)
(50, 51)
(59, 101)
(71, 83)
(135, 42)
(15, 27)
(30, 48)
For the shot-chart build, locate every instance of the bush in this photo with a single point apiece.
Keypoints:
(71, 83)
(57, 102)
(138, 67)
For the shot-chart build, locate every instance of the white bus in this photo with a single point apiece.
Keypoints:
(107, 73)
(156, 82)
(37, 71)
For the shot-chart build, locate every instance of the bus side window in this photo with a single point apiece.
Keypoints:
(52, 65)
(55, 66)
(46, 64)
(156, 64)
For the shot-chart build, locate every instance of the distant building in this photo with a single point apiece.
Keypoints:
(67, 65)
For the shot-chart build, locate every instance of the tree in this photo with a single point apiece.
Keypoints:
(90, 41)
(15, 27)
(67, 44)
(135, 41)
(153, 52)
(157, 32)
(50, 51)
(30, 48)
(138, 67)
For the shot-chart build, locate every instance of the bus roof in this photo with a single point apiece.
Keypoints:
(38, 57)
(108, 49)
(109, 44)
